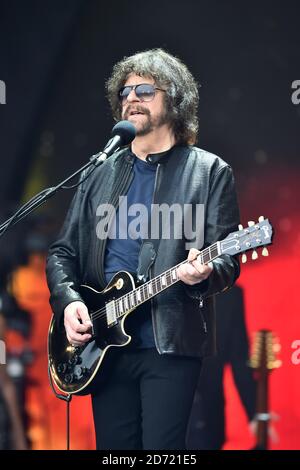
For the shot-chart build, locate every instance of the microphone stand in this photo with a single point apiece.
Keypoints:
(29, 207)
(40, 198)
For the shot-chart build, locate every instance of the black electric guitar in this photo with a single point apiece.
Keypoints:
(263, 360)
(73, 368)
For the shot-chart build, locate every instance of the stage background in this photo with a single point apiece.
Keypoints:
(54, 59)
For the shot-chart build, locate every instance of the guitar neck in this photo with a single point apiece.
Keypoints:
(263, 361)
(159, 283)
(255, 235)
(262, 410)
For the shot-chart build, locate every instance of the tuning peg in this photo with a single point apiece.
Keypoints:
(265, 252)
(241, 227)
(253, 362)
(244, 258)
(254, 254)
(261, 218)
(276, 347)
(251, 223)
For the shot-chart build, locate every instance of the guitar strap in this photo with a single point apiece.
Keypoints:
(147, 256)
(148, 252)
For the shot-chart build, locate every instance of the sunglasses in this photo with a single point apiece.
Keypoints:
(143, 91)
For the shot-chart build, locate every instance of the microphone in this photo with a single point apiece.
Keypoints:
(122, 134)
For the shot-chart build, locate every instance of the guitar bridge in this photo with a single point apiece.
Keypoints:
(111, 314)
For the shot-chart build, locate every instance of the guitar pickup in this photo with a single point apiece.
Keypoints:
(111, 314)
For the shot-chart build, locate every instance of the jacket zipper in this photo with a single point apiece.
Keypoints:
(151, 268)
(201, 304)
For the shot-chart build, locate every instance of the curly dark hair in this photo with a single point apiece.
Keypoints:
(181, 97)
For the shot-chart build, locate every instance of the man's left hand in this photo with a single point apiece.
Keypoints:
(193, 272)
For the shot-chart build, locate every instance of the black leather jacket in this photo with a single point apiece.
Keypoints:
(182, 316)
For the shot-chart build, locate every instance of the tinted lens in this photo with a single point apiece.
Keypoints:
(144, 92)
(124, 92)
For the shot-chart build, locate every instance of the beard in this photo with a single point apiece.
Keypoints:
(149, 122)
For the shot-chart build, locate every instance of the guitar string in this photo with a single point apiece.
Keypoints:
(143, 289)
(102, 312)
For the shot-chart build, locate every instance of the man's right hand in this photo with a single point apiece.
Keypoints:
(77, 323)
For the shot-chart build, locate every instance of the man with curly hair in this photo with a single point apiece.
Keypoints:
(143, 394)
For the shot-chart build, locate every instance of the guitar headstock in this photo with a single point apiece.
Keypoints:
(264, 351)
(256, 235)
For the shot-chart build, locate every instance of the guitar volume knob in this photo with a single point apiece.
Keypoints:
(75, 360)
(62, 367)
(80, 371)
(69, 378)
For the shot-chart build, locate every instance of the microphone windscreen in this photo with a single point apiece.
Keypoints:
(125, 130)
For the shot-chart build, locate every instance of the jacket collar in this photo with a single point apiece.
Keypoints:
(160, 157)
(154, 158)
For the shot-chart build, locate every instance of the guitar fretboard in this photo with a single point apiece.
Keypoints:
(149, 289)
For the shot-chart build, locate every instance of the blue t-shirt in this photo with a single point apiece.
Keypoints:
(124, 243)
